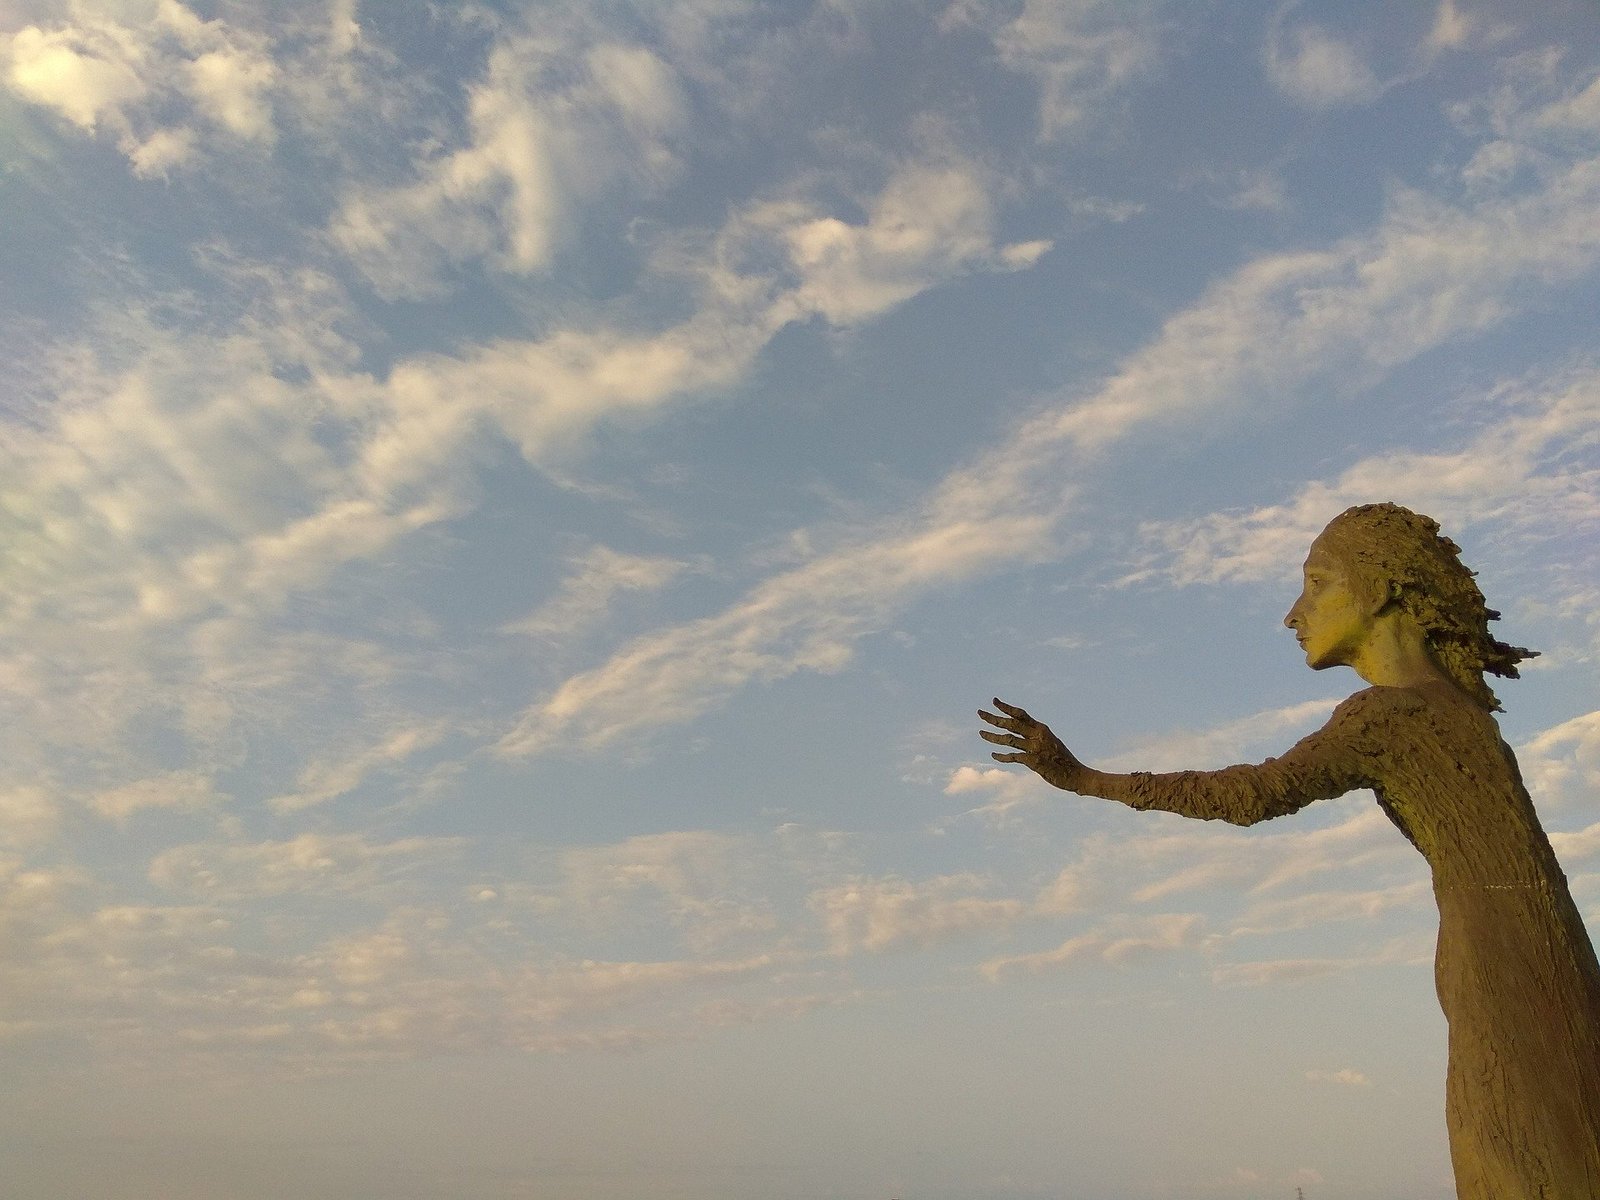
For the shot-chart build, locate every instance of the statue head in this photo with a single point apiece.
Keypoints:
(1388, 556)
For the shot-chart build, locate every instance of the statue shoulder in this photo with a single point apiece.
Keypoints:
(1379, 704)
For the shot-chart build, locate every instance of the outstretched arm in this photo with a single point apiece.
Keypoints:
(1316, 768)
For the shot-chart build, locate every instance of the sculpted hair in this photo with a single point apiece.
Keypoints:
(1391, 548)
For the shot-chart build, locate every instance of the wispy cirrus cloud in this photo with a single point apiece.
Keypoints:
(1562, 764)
(1117, 944)
(1414, 950)
(875, 914)
(1080, 55)
(713, 888)
(1010, 791)
(540, 140)
(385, 960)
(1316, 67)
(161, 87)
(342, 863)
(1524, 461)
(199, 479)
(416, 984)
(327, 779)
(805, 619)
(583, 597)
(1429, 271)
(184, 790)
(1222, 744)
(1283, 914)
(759, 915)
(29, 814)
(1344, 1076)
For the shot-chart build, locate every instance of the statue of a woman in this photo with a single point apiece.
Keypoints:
(1515, 969)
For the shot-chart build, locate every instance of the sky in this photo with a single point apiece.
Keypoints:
(510, 510)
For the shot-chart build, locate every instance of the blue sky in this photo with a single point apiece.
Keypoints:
(510, 511)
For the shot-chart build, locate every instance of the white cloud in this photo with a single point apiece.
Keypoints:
(327, 779)
(1317, 908)
(174, 494)
(1428, 272)
(737, 1012)
(1279, 971)
(195, 446)
(712, 887)
(1561, 766)
(1126, 940)
(1577, 847)
(1263, 191)
(344, 30)
(230, 87)
(1010, 790)
(1222, 744)
(183, 790)
(1170, 856)
(544, 395)
(1577, 113)
(1415, 950)
(875, 914)
(160, 152)
(369, 959)
(930, 222)
(71, 967)
(1519, 467)
(1346, 1076)
(1318, 68)
(773, 263)
(309, 863)
(584, 596)
(541, 139)
(592, 985)
(1080, 52)
(324, 993)
(184, 484)
(1451, 27)
(804, 619)
(29, 815)
(85, 74)
(408, 988)
(157, 82)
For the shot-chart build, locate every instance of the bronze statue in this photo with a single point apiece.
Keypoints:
(1515, 970)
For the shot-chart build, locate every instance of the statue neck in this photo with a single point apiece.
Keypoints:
(1395, 654)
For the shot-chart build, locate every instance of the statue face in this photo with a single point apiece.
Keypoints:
(1331, 619)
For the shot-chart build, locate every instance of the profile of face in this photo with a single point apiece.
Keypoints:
(1334, 614)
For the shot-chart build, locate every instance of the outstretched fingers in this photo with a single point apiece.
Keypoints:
(1011, 710)
(1019, 727)
(1016, 720)
(1003, 739)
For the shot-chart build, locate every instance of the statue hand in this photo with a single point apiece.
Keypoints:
(1038, 749)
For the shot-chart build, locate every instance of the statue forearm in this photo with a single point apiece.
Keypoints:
(1241, 795)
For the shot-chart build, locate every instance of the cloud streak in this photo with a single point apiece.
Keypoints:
(126, 79)
(1428, 272)
(1517, 469)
